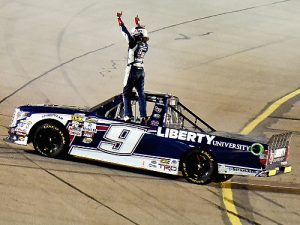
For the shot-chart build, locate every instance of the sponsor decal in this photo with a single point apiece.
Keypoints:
(87, 140)
(257, 149)
(185, 135)
(157, 109)
(75, 129)
(278, 159)
(277, 155)
(156, 116)
(231, 145)
(53, 116)
(262, 174)
(168, 165)
(77, 118)
(163, 165)
(90, 127)
(21, 138)
(25, 122)
(165, 161)
(279, 152)
(23, 126)
(88, 134)
(154, 123)
(172, 101)
(22, 115)
(174, 161)
(160, 101)
(91, 119)
(153, 164)
(20, 131)
(169, 168)
(245, 171)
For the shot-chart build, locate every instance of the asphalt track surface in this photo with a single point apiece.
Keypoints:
(227, 60)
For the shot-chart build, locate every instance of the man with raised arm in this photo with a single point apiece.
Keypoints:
(134, 73)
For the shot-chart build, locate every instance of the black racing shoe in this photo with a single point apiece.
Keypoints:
(127, 119)
(144, 121)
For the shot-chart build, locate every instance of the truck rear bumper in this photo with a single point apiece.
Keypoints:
(279, 170)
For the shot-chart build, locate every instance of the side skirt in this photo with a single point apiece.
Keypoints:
(162, 165)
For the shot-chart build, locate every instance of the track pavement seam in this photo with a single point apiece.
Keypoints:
(82, 192)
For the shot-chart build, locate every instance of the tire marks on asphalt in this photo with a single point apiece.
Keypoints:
(81, 191)
(216, 15)
(113, 66)
(181, 184)
(223, 208)
(268, 186)
(268, 199)
(52, 69)
(12, 54)
(168, 209)
(229, 203)
(236, 53)
(59, 44)
(91, 197)
(112, 44)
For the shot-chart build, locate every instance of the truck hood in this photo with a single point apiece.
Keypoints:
(44, 108)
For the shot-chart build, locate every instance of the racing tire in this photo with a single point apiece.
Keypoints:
(198, 167)
(50, 140)
(219, 178)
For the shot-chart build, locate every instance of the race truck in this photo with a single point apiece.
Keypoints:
(174, 140)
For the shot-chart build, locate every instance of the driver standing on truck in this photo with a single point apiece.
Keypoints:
(134, 73)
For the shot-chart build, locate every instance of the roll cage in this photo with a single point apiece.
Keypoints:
(163, 110)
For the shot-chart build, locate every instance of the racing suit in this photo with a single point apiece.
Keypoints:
(134, 73)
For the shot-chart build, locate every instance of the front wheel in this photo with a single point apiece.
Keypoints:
(198, 167)
(49, 140)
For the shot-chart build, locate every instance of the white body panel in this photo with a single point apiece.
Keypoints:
(163, 165)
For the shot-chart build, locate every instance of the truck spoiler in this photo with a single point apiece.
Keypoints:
(278, 154)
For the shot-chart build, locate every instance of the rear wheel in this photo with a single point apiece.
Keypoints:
(198, 167)
(50, 140)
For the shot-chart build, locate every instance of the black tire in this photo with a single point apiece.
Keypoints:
(198, 167)
(50, 140)
(218, 178)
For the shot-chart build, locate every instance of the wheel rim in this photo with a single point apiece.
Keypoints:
(198, 166)
(48, 141)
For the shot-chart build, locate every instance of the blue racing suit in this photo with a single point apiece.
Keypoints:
(134, 73)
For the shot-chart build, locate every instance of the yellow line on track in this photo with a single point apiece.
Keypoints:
(268, 112)
(226, 187)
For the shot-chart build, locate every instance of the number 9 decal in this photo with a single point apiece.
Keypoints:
(121, 139)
